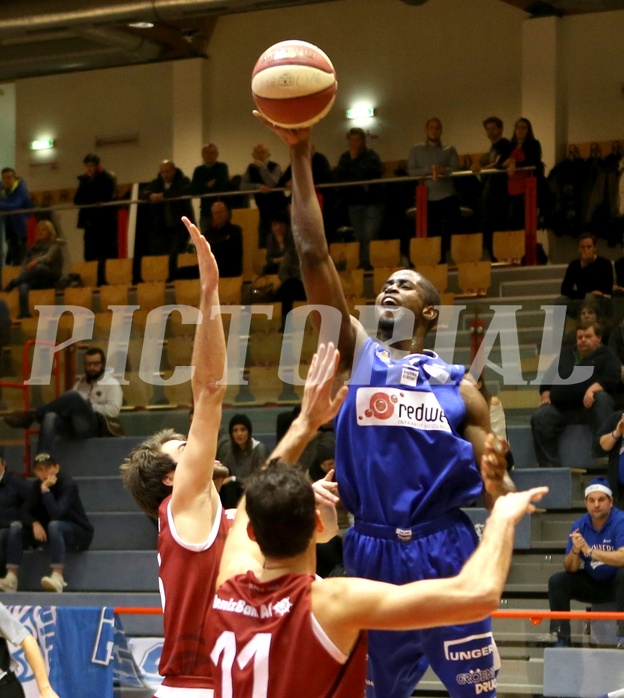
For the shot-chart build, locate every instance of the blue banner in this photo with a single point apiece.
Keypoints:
(77, 644)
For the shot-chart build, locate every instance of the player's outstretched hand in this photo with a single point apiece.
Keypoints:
(516, 504)
(290, 136)
(325, 490)
(208, 269)
(496, 479)
(317, 405)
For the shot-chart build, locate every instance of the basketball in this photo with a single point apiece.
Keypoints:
(294, 84)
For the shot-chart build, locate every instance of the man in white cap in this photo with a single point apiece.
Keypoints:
(597, 541)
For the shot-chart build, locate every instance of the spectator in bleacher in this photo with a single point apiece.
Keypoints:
(611, 442)
(435, 160)
(97, 186)
(15, 632)
(168, 234)
(526, 151)
(213, 177)
(494, 196)
(14, 196)
(365, 203)
(241, 454)
(596, 540)
(587, 401)
(321, 174)
(263, 175)
(588, 276)
(42, 268)
(226, 240)
(54, 516)
(282, 259)
(13, 493)
(91, 408)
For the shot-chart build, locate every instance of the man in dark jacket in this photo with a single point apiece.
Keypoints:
(97, 186)
(53, 515)
(14, 196)
(589, 276)
(169, 235)
(587, 400)
(263, 175)
(13, 493)
(213, 177)
(365, 203)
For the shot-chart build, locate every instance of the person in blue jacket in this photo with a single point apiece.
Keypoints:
(14, 196)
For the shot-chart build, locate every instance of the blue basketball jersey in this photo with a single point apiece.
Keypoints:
(399, 457)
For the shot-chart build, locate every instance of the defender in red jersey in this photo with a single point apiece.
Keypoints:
(172, 478)
(276, 631)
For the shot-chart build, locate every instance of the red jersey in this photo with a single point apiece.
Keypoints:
(187, 578)
(266, 643)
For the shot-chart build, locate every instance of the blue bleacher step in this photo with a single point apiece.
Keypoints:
(95, 570)
(104, 493)
(582, 672)
(531, 571)
(100, 456)
(564, 484)
(123, 531)
(522, 540)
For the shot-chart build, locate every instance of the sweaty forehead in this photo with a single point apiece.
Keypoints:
(409, 274)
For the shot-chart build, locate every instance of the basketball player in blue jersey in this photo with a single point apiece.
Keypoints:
(413, 445)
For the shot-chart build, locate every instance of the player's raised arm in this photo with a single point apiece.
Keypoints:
(320, 278)
(194, 497)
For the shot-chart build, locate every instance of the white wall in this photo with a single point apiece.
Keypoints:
(458, 60)
(77, 108)
(594, 76)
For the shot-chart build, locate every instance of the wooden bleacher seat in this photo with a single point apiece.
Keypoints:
(265, 348)
(346, 255)
(385, 253)
(474, 278)
(44, 296)
(467, 248)
(179, 350)
(262, 323)
(102, 325)
(155, 268)
(187, 292)
(137, 393)
(266, 387)
(247, 219)
(425, 251)
(8, 274)
(12, 301)
(436, 273)
(180, 395)
(380, 276)
(354, 301)
(118, 271)
(88, 272)
(230, 290)
(186, 259)
(509, 246)
(113, 294)
(258, 260)
(151, 294)
(81, 296)
(352, 281)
